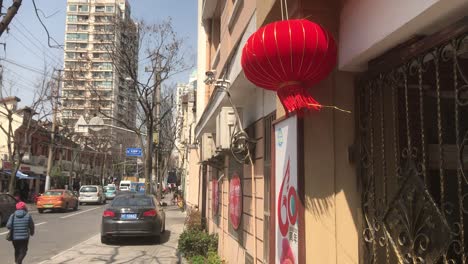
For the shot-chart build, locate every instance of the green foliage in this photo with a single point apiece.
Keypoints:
(212, 258)
(197, 260)
(193, 242)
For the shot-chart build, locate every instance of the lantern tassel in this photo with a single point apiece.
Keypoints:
(295, 97)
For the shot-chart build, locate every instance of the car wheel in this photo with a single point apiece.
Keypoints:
(1, 220)
(40, 210)
(80, 203)
(156, 239)
(65, 208)
(163, 229)
(76, 207)
(104, 240)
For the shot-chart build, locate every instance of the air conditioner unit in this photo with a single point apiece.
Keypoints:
(208, 146)
(226, 126)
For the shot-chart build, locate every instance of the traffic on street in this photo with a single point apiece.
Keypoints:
(60, 235)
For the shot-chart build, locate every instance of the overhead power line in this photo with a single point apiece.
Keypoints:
(36, 44)
(49, 38)
(29, 68)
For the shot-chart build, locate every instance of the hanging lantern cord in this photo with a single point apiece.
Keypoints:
(284, 9)
(332, 107)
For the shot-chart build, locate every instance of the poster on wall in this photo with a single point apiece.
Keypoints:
(214, 197)
(286, 192)
(235, 201)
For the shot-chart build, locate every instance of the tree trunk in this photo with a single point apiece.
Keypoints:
(12, 182)
(148, 160)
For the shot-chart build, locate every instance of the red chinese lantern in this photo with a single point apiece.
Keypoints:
(289, 57)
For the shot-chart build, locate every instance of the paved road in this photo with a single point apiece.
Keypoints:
(55, 232)
(74, 237)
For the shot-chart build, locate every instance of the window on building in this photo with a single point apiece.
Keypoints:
(72, 45)
(83, 8)
(72, 8)
(83, 27)
(82, 18)
(72, 18)
(110, 9)
(100, 8)
(77, 36)
(215, 33)
(72, 27)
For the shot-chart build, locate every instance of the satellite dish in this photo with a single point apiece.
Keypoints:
(96, 123)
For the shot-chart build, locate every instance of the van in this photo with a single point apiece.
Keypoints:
(125, 185)
(92, 194)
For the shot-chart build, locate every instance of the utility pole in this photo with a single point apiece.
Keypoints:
(157, 101)
(50, 158)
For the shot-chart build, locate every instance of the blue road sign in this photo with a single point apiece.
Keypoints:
(134, 152)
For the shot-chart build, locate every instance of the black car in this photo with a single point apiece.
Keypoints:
(133, 215)
(7, 207)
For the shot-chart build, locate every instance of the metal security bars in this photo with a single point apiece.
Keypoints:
(413, 168)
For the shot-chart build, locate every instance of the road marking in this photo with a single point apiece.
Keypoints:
(63, 217)
(70, 249)
(38, 224)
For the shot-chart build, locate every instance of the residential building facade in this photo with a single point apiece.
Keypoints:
(382, 184)
(92, 84)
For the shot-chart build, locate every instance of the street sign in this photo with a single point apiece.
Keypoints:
(134, 152)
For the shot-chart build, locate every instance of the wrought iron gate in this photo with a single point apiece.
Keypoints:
(413, 129)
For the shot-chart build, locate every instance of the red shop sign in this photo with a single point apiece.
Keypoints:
(214, 196)
(235, 201)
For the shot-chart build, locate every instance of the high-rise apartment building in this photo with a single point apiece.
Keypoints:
(94, 84)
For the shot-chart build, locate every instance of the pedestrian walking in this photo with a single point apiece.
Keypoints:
(21, 226)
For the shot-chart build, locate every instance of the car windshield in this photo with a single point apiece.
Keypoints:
(53, 193)
(133, 201)
(125, 184)
(88, 189)
(111, 188)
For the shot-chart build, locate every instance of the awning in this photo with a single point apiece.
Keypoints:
(21, 175)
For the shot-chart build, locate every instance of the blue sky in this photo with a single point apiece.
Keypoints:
(26, 42)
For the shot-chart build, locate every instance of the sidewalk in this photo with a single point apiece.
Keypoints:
(129, 250)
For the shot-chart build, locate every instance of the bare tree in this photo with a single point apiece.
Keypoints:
(19, 138)
(160, 46)
(11, 12)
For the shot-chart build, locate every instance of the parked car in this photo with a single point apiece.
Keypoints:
(110, 192)
(7, 207)
(133, 215)
(57, 200)
(92, 194)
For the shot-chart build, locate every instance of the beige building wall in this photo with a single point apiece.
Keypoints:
(192, 181)
(252, 223)
(332, 200)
